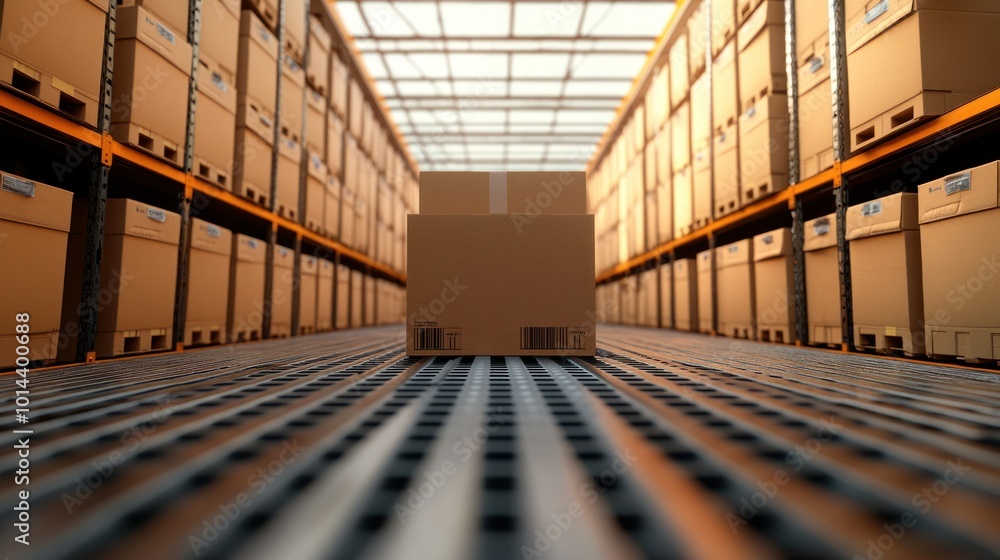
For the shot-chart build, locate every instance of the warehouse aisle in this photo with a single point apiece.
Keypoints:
(665, 445)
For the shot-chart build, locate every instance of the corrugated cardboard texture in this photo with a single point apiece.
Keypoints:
(246, 288)
(777, 243)
(281, 291)
(208, 283)
(220, 32)
(735, 282)
(970, 191)
(686, 295)
(706, 297)
(820, 233)
(472, 192)
(482, 280)
(257, 75)
(890, 214)
(823, 295)
(33, 237)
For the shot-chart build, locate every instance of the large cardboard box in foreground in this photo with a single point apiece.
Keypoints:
(246, 289)
(138, 279)
(960, 252)
(735, 282)
(823, 281)
(208, 284)
(773, 286)
(885, 274)
(685, 276)
(34, 232)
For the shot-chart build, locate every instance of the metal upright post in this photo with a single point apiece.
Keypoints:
(711, 173)
(97, 202)
(794, 176)
(841, 123)
(184, 198)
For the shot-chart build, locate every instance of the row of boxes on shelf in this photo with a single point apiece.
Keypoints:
(661, 168)
(43, 226)
(925, 277)
(238, 73)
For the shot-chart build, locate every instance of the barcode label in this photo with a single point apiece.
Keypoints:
(551, 338)
(437, 338)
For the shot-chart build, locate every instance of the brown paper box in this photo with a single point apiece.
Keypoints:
(727, 179)
(683, 203)
(774, 289)
(257, 75)
(208, 284)
(343, 319)
(698, 40)
(663, 152)
(735, 279)
(815, 112)
(680, 138)
(866, 20)
(666, 286)
(629, 288)
(702, 189)
(293, 83)
(701, 121)
(369, 301)
(220, 33)
(812, 23)
(706, 300)
(686, 298)
(648, 305)
(324, 296)
(318, 69)
(253, 158)
(215, 124)
(679, 76)
(823, 281)
(283, 272)
(334, 143)
(761, 46)
(529, 193)
(331, 213)
(308, 280)
(472, 293)
(764, 148)
(357, 299)
(172, 13)
(338, 85)
(665, 213)
(286, 201)
(962, 287)
(34, 231)
(723, 23)
(725, 102)
(316, 123)
(295, 26)
(246, 289)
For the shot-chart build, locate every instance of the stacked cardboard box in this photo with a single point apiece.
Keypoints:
(357, 299)
(208, 284)
(316, 123)
(138, 279)
(648, 293)
(170, 12)
(283, 275)
(246, 289)
(698, 41)
(812, 29)
(296, 14)
(466, 299)
(679, 75)
(291, 111)
(370, 304)
(316, 194)
(215, 123)
(256, 84)
(773, 286)
(960, 252)
(331, 212)
(886, 281)
(890, 87)
(150, 89)
(629, 287)
(686, 295)
(343, 298)
(308, 283)
(666, 281)
(823, 281)
(725, 136)
(735, 281)
(34, 227)
(338, 85)
(220, 33)
(286, 196)
(680, 162)
(706, 298)
(701, 155)
(723, 26)
(66, 79)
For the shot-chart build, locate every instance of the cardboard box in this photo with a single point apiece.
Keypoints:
(293, 83)
(823, 281)
(904, 66)
(208, 284)
(308, 281)
(774, 290)
(651, 220)
(295, 28)
(683, 203)
(698, 40)
(347, 203)
(253, 157)
(648, 307)
(679, 71)
(650, 175)
(220, 33)
(680, 138)
(764, 148)
(357, 299)
(726, 164)
(515, 192)
(248, 267)
(370, 304)
(812, 23)
(666, 286)
(331, 212)
(886, 274)
(701, 119)
(286, 198)
(214, 124)
(257, 75)
(815, 112)
(283, 275)
(706, 297)
(723, 23)
(138, 277)
(34, 229)
(468, 299)
(629, 288)
(761, 46)
(735, 283)
(664, 169)
(68, 79)
(338, 85)
(171, 13)
(725, 101)
(657, 102)
(316, 182)
(316, 123)
(150, 90)
(356, 111)
(318, 68)
(866, 20)
(343, 315)
(702, 189)
(962, 287)
(334, 143)
(686, 300)
(664, 213)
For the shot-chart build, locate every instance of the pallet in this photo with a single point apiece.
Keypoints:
(317, 87)
(204, 335)
(726, 208)
(875, 339)
(121, 343)
(825, 335)
(48, 90)
(777, 334)
(281, 331)
(701, 222)
(244, 335)
(285, 212)
(739, 331)
(250, 193)
(148, 141)
(924, 106)
(764, 188)
(308, 329)
(816, 164)
(212, 174)
(975, 345)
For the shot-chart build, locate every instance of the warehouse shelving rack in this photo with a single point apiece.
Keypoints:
(850, 181)
(35, 120)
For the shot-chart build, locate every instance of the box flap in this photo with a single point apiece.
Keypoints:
(216, 83)
(250, 249)
(893, 213)
(866, 19)
(138, 23)
(251, 26)
(291, 70)
(454, 192)
(704, 259)
(733, 254)
(769, 12)
(33, 203)
(962, 193)
(814, 67)
(130, 217)
(777, 243)
(466, 192)
(210, 237)
(820, 233)
(284, 257)
(309, 264)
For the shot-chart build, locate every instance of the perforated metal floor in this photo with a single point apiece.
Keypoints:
(663, 446)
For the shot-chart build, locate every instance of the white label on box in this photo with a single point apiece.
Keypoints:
(213, 231)
(768, 239)
(252, 243)
(19, 186)
(732, 249)
(876, 11)
(872, 208)
(821, 227)
(218, 82)
(815, 64)
(156, 214)
(166, 33)
(958, 183)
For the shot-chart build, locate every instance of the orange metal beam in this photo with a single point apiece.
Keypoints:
(49, 119)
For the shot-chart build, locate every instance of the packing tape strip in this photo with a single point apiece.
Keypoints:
(498, 192)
